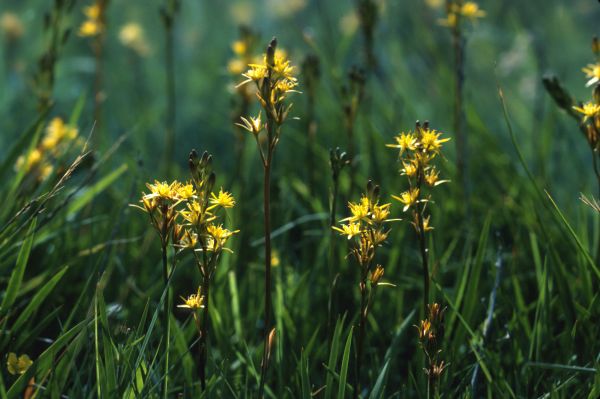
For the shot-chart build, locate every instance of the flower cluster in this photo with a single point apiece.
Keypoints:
(367, 226)
(18, 365)
(93, 24)
(431, 335)
(459, 10)
(275, 79)
(58, 139)
(187, 214)
(590, 110)
(417, 151)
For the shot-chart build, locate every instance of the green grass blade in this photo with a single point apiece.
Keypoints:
(96, 189)
(344, 369)
(16, 277)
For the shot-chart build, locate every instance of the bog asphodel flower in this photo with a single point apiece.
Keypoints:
(408, 198)
(193, 302)
(92, 26)
(589, 110)
(592, 72)
(223, 199)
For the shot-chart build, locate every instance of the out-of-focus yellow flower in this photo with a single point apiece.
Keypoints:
(18, 365)
(434, 3)
(92, 26)
(132, 35)
(589, 110)
(11, 25)
(349, 23)
(239, 47)
(592, 71)
(471, 10)
(193, 302)
(57, 132)
(89, 28)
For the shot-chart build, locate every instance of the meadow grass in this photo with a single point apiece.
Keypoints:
(486, 286)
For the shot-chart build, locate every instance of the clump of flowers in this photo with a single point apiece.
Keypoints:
(456, 10)
(188, 218)
(367, 230)
(417, 152)
(42, 160)
(275, 79)
(94, 22)
(431, 335)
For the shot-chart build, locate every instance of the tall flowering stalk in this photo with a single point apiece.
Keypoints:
(94, 27)
(457, 12)
(161, 206)
(275, 79)
(587, 114)
(417, 151)
(168, 13)
(367, 230)
(187, 217)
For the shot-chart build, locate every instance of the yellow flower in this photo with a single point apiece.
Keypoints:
(592, 71)
(239, 47)
(163, 190)
(408, 198)
(195, 215)
(253, 125)
(224, 199)
(377, 237)
(18, 365)
(56, 132)
(11, 24)
(432, 177)
(404, 141)
(235, 66)
(92, 12)
(132, 35)
(220, 235)
(589, 110)
(254, 74)
(380, 213)
(410, 168)
(350, 229)
(89, 28)
(359, 211)
(193, 302)
(471, 10)
(185, 191)
(430, 140)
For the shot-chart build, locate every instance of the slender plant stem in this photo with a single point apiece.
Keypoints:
(332, 213)
(167, 318)
(204, 330)
(424, 259)
(459, 131)
(267, 223)
(361, 331)
(170, 92)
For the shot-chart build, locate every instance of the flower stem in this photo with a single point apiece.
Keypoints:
(361, 331)
(267, 223)
(204, 331)
(167, 318)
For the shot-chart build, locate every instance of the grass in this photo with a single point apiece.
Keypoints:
(81, 274)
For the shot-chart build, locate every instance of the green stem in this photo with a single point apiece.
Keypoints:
(167, 319)
(267, 223)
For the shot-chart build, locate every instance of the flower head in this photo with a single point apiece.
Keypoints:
(193, 302)
(430, 141)
(592, 71)
(223, 199)
(350, 230)
(408, 198)
(589, 110)
(18, 366)
(405, 142)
